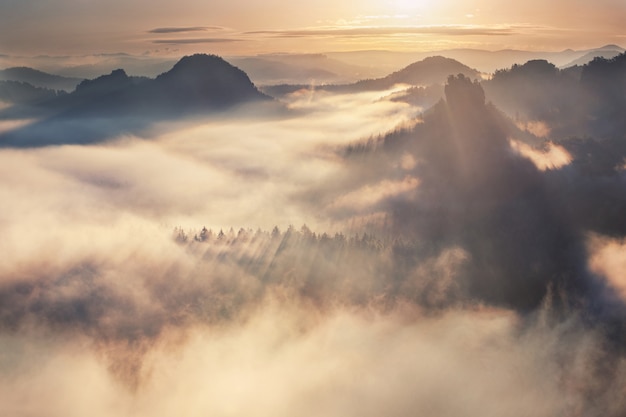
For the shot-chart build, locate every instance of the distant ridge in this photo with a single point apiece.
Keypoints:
(38, 78)
(613, 46)
(607, 52)
(17, 92)
(268, 69)
(483, 60)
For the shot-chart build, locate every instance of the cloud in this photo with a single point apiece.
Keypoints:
(288, 360)
(553, 157)
(367, 197)
(185, 29)
(453, 30)
(608, 258)
(191, 41)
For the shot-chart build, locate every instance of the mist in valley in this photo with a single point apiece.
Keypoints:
(451, 247)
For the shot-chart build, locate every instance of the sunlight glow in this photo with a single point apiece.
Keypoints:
(408, 5)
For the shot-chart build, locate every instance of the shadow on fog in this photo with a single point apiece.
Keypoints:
(524, 230)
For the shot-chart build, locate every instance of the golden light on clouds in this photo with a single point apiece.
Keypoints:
(553, 157)
(72, 26)
(608, 258)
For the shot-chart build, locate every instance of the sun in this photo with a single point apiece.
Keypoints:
(398, 9)
(404, 6)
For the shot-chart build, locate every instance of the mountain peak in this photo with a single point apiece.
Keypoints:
(198, 60)
(432, 70)
(202, 71)
(203, 79)
(612, 47)
(464, 95)
(116, 80)
(202, 66)
(435, 60)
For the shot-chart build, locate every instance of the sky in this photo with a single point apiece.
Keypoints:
(244, 27)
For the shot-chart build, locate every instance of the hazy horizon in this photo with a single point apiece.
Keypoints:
(72, 27)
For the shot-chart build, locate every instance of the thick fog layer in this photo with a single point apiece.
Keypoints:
(346, 256)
